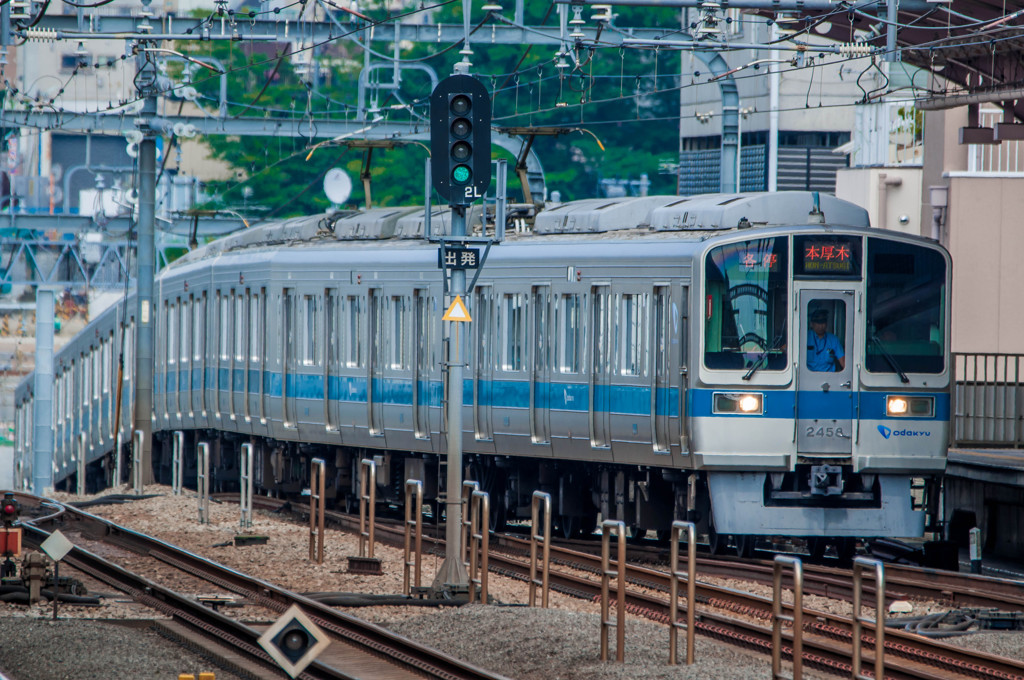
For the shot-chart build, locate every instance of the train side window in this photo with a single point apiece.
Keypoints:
(240, 326)
(107, 362)
(254, 326)
(421, 330)
(86, 382)
(510, 331)
(481, 314)
(541, 332)
(569, 333)
(198, 325)
(399, 339)
(309, 328)
(170, 313)
(185, 325)
(601, 326)
(354, 348)
(222, 302)
(331, 328)
(630, 353)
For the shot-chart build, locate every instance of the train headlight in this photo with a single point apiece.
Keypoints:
(907, 406)
(743, 403)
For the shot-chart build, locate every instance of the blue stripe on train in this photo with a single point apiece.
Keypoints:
(573, 397)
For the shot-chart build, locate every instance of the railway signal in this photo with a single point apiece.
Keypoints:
(460, 139)
(294, 641)
(10, 509)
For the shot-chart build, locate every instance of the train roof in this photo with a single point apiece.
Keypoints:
(696, 217)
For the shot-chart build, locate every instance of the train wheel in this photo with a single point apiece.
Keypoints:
(816, 546)
(745, 544)
(846, 549)
(717, 543)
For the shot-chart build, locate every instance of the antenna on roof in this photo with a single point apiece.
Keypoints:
(816, 216)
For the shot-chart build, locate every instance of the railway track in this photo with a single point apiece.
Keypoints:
(827, 637)
(358, 649)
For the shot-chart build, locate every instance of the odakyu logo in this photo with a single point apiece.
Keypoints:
(886, 432)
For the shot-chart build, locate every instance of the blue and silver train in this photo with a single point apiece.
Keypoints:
(764, 364)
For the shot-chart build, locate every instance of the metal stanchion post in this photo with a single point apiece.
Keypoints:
(540, 499)
(177, 462)
(137, 476)
(859, 565)
(797, 618)
(607, 527)
(479, 538)
(245, 486)
(317, 469)
(975, 550)
(82, 449)
(413, 518)
(203, 482)
(365, 562)
(691, 590)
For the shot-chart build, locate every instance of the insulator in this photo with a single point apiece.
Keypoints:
(41, 34)
(855, 49)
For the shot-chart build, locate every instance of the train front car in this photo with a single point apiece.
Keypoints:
(823, 386)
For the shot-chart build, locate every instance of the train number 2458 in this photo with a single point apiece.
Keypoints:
(825, 432)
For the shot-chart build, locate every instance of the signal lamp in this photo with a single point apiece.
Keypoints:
(460, 139)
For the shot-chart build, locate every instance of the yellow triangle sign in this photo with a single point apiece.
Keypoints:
(457, 311)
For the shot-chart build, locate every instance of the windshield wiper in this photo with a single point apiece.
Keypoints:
(890, 358)
(761, 357)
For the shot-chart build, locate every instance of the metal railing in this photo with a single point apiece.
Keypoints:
(245, 486)
(137, 462)
(608, 527)
(468, 488)
(860, 564)
(367, 506)
(177, 461)
(413, 520)
(988, 398)
(540, 499)
(676, 577)
(479, 544)
(202, 480)
(796, 618)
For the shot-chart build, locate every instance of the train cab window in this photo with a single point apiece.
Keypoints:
(569, 333)
(826, 350)
(905, 300)
(745, 307)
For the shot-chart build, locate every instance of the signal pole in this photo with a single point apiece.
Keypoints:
(460, 168)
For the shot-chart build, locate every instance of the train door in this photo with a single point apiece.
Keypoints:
(224, 358)
(199, 355)
(540, 365)
(263, 351)
(825, 399)
(661, 336)
(483, 363)
(288, 367)
(185, 356)
(600, 365)
(238, 364)
(421, 349)
(375, 356)
(254, 378)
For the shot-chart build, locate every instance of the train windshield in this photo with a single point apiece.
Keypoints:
(745, 306)
(905, 304)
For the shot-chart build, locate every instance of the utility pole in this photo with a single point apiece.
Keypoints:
(146, 258)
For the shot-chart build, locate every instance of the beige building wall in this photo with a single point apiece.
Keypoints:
(892, 196)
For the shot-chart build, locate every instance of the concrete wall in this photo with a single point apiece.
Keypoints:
(892, 196)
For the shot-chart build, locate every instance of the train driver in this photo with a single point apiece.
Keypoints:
(824, 350)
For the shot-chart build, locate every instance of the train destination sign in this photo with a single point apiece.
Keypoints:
(821, 257)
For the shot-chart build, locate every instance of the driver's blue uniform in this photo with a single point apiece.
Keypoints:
(822, 352)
